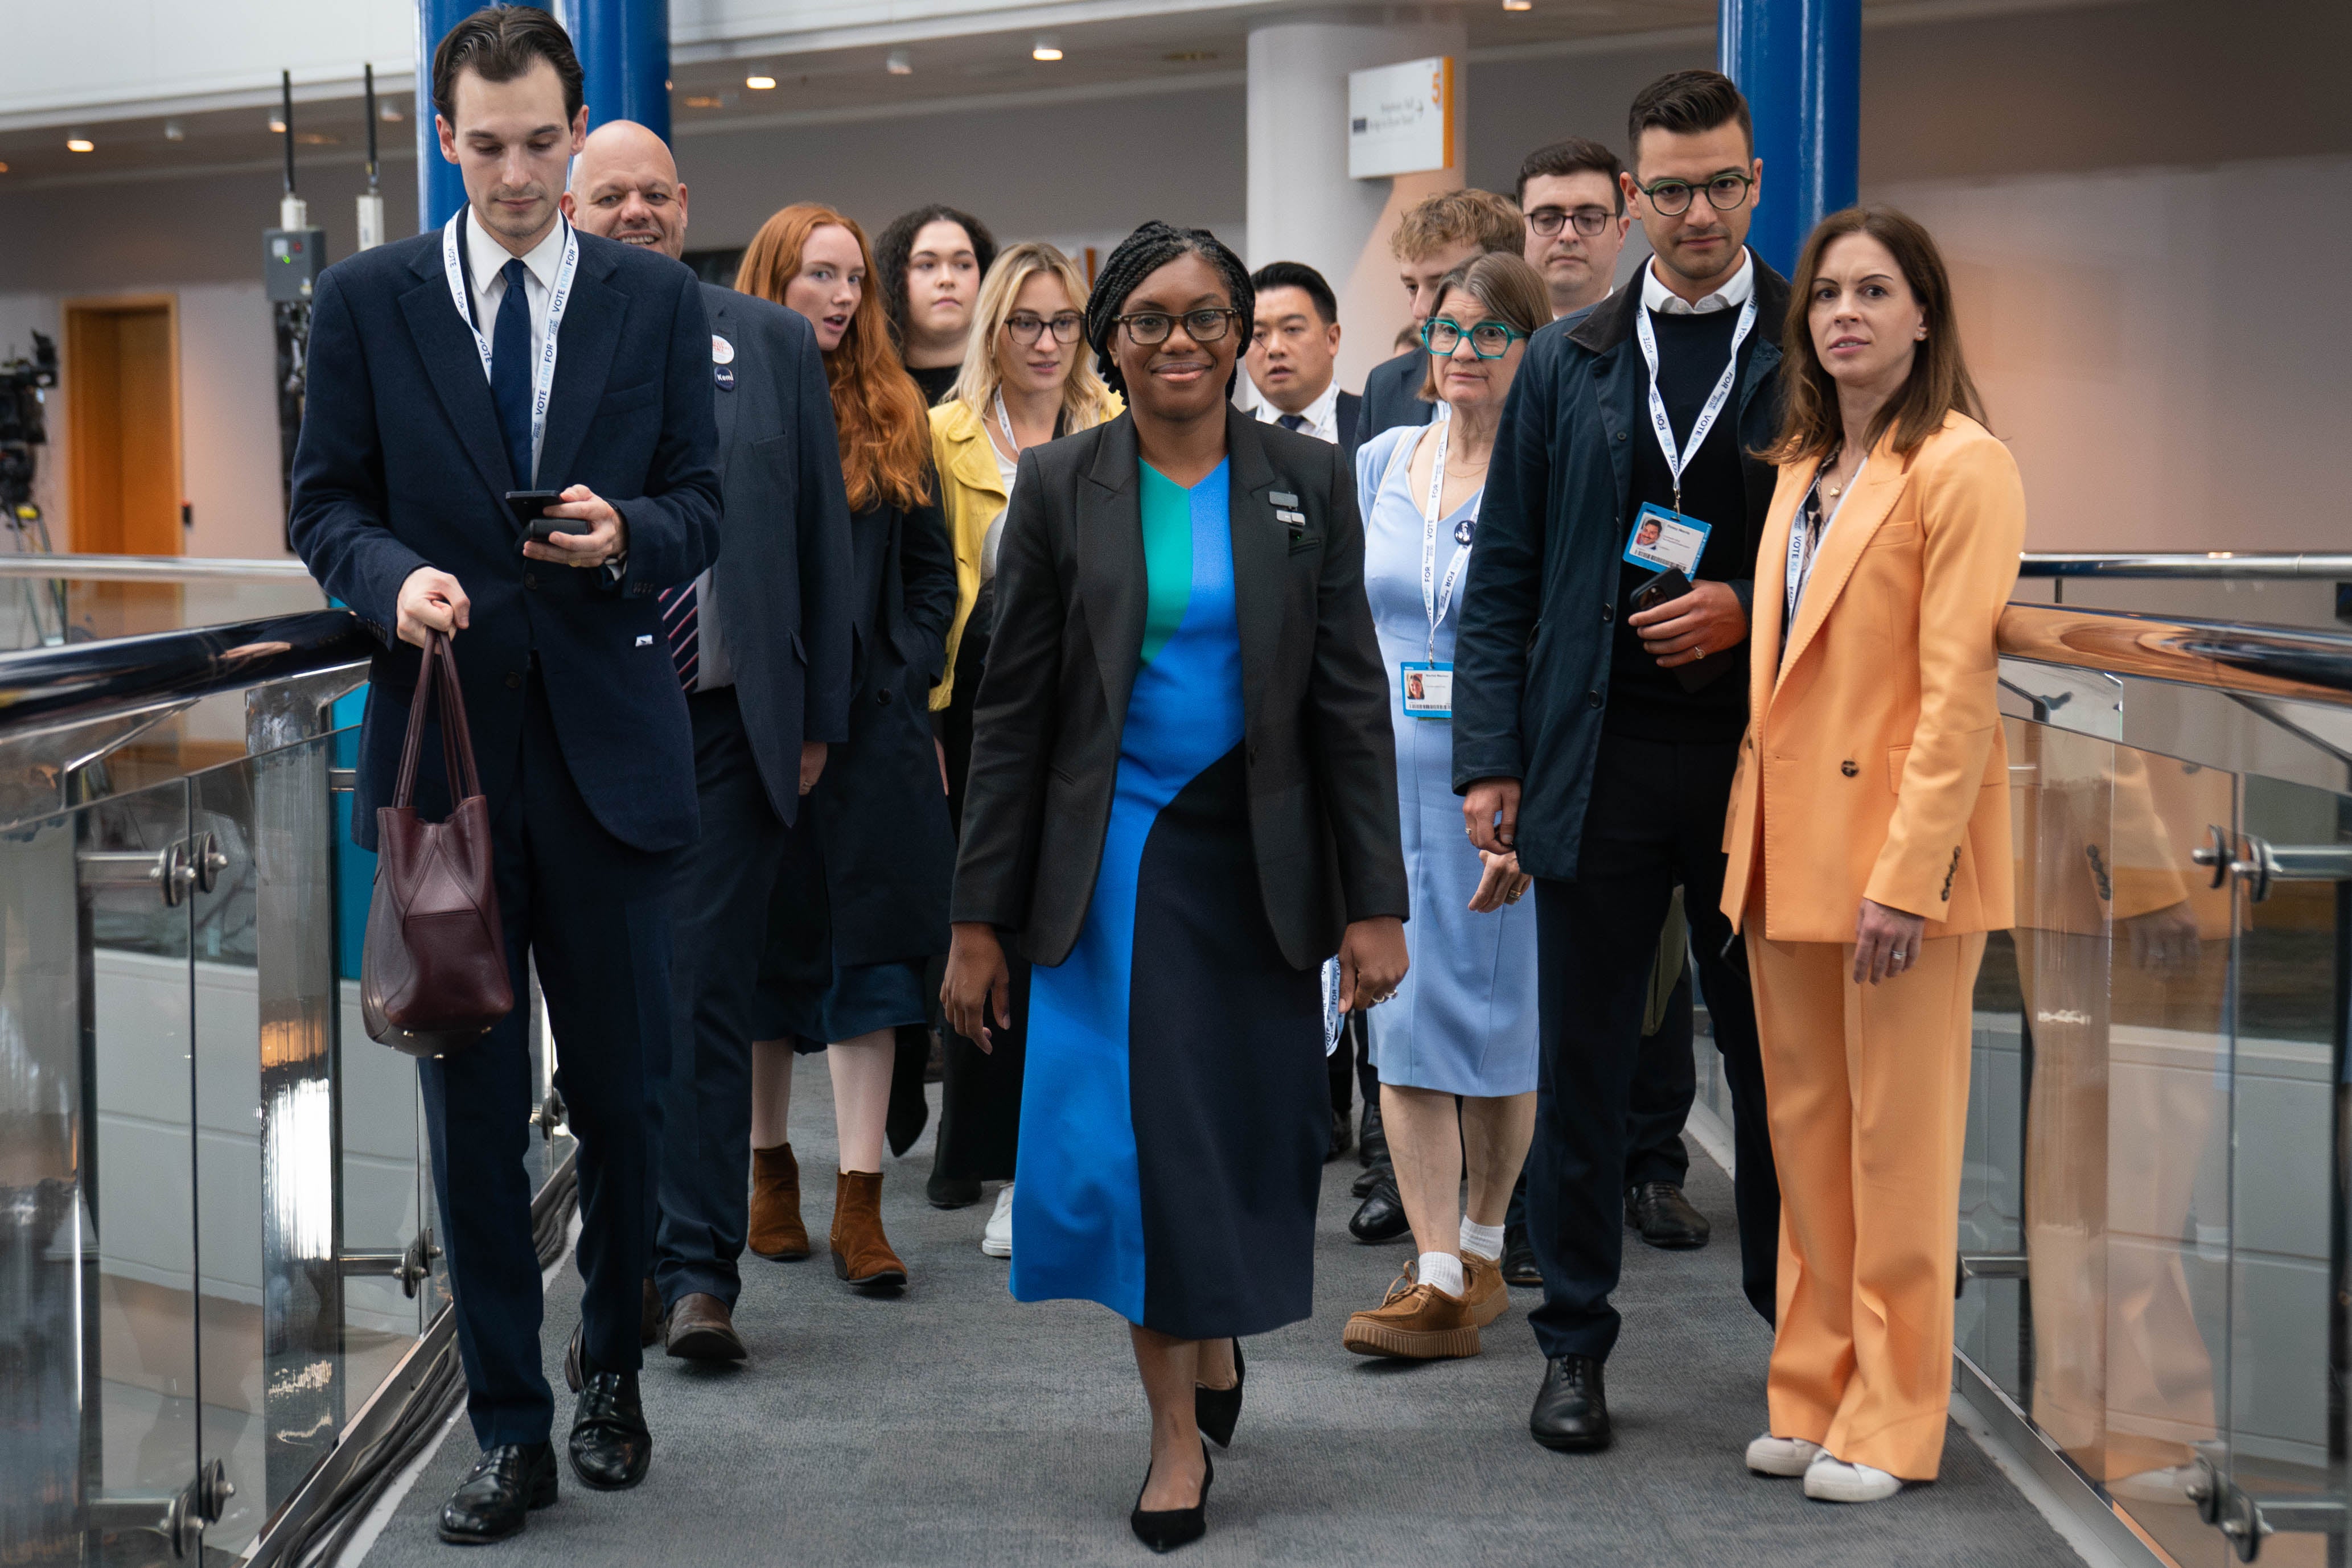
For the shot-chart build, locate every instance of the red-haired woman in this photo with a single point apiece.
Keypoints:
(863, 900)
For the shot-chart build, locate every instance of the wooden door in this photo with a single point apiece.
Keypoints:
(122, 415)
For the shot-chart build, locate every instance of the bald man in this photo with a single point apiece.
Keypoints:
(760, 641)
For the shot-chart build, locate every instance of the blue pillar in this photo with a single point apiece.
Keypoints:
(439, 190)
(623, 48)
(1799, 63)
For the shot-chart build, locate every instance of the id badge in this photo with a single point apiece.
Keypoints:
(1661, 539)
(1428, 689)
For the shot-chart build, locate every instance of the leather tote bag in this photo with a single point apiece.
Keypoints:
(433, 975)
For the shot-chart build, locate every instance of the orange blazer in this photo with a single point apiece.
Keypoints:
(1874, 765)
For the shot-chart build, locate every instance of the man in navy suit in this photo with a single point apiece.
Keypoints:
(1291, 355)
(762, 644)
(507, 352)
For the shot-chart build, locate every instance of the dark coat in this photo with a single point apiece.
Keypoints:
(879, 811)
(400, 465)
(1531, 659)
(782, 577)
(1346, 409)
(1392, 397)
(1071, 595)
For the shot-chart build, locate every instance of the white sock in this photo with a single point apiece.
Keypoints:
(1443, 1269)
(1486, 1240)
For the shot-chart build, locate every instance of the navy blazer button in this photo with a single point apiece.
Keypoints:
(1593, 698)
(514, 680)
(1848, 768)
(1621, 436)
(883, 697)
(1608, 613)
(530, 579)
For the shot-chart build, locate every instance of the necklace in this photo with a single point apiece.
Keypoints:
(1830, 491)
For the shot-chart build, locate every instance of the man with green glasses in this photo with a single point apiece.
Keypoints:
(1602, 750)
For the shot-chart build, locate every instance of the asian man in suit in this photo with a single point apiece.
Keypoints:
(1291, 356)
(760, 641)
(508, 353)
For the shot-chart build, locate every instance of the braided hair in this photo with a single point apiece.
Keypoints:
(1140, 255)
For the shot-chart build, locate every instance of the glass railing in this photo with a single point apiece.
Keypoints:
(53, 600)
(218, 1286)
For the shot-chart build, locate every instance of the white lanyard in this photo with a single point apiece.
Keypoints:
(543, 376)
(1805, 544)
(1433, 601)
(1679, 459)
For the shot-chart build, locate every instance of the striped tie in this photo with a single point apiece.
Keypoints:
(682, 625)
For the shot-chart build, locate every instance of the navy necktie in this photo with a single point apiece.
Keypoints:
(511, 369)
(1292, 422)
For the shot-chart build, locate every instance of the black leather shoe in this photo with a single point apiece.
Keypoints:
(575, 1354)
(1665, 1216)
(1371, 1138)
(611, 1448)
(1363, 1185)
(1572, 1411)
(1380, 1217)
(1215, 1410)
(1166, 1529)
(1520, 1257)
(1343, 1137)
(497, 1494)
(950, 1192)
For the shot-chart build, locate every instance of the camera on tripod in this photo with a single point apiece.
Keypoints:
(23, 426)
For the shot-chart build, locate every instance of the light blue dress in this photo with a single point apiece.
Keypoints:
(1463, 1022)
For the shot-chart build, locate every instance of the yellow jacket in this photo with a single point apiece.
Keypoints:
(1875, 765)
(971, 495)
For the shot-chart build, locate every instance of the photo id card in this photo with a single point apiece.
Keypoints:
(1428, 689)
(1663, 539)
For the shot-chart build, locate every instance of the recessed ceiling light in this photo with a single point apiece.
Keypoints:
(1518, 5)
(80, 144)
(759, 84)
(1189, 57)
(899, 64)
(316, 139)
(705, 100)
(1046, 48)
(175, 132)
(388, 111)
(277, 126)
(4, 168)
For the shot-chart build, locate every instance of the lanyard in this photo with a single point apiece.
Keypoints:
(1679, 459)
(1805, 541)
(1433, 601)
(543, 376)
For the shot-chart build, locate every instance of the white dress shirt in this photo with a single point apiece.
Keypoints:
(486, 259)
(1657, 296)
(1322, 415)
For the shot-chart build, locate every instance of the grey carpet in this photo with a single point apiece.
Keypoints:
(955, 1426)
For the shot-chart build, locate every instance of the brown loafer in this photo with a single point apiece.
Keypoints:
(861, 1252)
(702, 1329)
(1417, 1322)
(776, 1232)
(1484, 1288)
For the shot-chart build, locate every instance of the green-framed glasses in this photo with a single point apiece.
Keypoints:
(1671, 198)
(1489, 339)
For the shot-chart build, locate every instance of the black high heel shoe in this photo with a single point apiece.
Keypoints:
(1214, 1410)
(1166, 1529)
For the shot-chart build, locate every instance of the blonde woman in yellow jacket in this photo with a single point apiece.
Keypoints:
(1027, 378)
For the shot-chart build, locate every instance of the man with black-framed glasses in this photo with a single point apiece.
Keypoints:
(1602, 750)
(1577, 221)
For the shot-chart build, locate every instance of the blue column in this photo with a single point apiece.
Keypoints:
(1799, 63)
(439, 190)
(623, 48)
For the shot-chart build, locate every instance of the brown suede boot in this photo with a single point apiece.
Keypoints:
(861, 1253)
(776, 1231)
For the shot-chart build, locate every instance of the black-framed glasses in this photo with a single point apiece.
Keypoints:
(1671, 198)
(1150, 326)
(1026, 327)
(1489, 339)
(1589, 221)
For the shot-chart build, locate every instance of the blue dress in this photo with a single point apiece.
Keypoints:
(1463, 1022)
(1174, 1113)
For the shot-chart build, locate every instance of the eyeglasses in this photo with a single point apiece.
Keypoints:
(1026, 329)
(1150, 326)
(1589, 221)
(1489, 339)
(1671, 198)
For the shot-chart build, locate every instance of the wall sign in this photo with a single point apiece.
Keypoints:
(1400, 119)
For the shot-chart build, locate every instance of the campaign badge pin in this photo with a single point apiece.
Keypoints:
(722, 352)
(725, 376)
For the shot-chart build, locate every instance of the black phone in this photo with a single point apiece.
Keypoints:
(1663, 588)
(526, 505)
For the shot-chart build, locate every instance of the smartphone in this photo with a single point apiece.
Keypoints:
(1663, 588)
(527, 505)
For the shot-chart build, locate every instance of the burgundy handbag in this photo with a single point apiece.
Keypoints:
(433, 975)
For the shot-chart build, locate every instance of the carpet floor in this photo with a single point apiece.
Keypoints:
(954, 1425)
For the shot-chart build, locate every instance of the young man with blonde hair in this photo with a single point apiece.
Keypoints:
(1435, 235)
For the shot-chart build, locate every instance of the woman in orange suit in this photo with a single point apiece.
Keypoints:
(1869, 842)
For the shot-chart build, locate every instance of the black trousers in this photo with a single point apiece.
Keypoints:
(594, 913)
(1655, 817)
(718, 921)
(1350, 1065)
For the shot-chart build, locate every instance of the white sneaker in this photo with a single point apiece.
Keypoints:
(1834, 1480)
(1771, 1456)
(996, 1236)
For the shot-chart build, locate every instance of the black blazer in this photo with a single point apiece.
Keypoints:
(1392, 397)
(783, 578)
(400, 465)
(1346, 409)
(878, 811)
(1071, 595)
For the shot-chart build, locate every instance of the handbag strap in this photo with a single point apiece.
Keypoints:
(456, 739)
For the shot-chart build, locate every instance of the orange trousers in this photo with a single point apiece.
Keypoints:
(1868, 1094)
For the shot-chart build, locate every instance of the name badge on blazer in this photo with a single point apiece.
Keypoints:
(1287, 512)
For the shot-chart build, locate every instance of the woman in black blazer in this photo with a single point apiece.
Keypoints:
(1182, 799)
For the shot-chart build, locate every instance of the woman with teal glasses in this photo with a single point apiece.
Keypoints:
(1182, 801)
(1465, 1019)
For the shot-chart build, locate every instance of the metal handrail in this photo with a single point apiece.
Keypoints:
(152, 569)
(2212, 565)
(42, 687)
(2240, 657)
